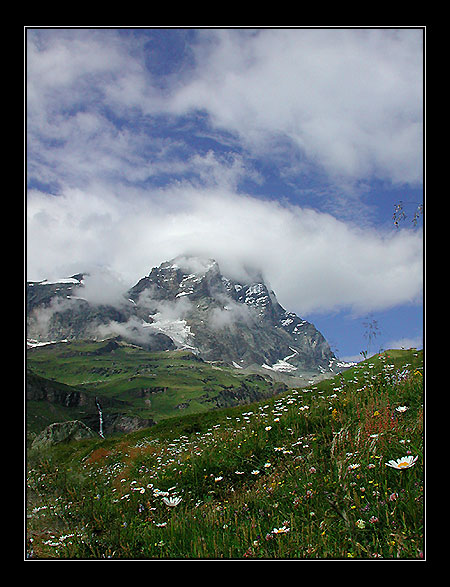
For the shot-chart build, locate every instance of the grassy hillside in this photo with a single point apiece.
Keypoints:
(301, 475)
(152, 385)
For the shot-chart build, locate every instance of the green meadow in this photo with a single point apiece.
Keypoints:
(330, 471)
(153, 385)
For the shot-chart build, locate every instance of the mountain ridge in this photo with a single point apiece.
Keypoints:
(185, 303)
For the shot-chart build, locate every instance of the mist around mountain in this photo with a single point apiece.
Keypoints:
(185, 303)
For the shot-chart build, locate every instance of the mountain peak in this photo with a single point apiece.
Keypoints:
(226, 320)
(191, 264)
(188, 303)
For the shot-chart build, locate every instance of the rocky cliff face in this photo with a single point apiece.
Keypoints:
(57, 311)
(226, 320)
(187, 303)
(85, 405)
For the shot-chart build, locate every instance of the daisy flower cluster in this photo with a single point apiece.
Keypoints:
(315, 472)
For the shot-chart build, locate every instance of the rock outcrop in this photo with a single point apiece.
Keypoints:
(62, 432)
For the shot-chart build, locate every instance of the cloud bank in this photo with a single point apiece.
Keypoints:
(314, 262)
(345, 102)
(116, 186)
(349, 100)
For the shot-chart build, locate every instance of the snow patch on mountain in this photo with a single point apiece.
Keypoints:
(178, 330)
(72, 280)
(280, 366)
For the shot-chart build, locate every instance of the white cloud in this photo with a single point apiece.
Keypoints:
(351, 100)
(405, 343)
(231, 314)
(312, 261)
(103, 286)
(80, 85)
(347, 101)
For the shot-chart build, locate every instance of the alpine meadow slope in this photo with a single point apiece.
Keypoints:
(331, 471)
(184, 338)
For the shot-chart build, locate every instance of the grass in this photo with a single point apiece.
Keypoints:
(152, 384)
(297, 476)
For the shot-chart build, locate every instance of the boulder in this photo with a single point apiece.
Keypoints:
(62, 432)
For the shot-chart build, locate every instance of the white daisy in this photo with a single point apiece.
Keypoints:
(281, 530)
(171, 501)
(401, 409)
(403, 462)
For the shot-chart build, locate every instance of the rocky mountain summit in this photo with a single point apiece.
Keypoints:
(186, 303)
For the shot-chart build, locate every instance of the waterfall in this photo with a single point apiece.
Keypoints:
(100, 415)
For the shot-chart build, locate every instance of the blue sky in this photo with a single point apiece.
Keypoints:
(282, 149)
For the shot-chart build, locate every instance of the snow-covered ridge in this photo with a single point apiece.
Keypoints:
(31, 343)
(70, 280)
